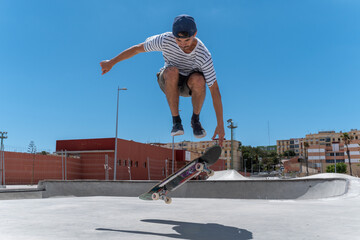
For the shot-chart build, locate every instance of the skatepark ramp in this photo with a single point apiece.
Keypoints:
(241, 189)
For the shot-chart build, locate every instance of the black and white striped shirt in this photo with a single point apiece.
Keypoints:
(198, 60)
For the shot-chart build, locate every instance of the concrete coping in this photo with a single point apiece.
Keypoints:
(233, 189)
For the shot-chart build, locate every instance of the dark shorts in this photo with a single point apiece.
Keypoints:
(184, 89)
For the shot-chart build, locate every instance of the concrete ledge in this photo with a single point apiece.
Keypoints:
(80, 188)
(244, 189)
(11, 194)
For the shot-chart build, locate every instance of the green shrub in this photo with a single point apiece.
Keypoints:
(340, 168)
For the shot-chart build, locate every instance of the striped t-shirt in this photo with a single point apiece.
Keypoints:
(198, 60)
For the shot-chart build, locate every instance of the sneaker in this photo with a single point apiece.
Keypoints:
(199, 132)
(177, 129)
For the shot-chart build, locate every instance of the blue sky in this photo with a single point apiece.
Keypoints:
(292, 64)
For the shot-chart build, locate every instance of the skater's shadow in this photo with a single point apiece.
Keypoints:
(194, 231)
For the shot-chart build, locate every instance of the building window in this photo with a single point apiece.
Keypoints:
(144, 164)
(136, 164)
(337, 161)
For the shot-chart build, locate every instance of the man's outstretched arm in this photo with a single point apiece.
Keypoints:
(106, 65)
(216, 97)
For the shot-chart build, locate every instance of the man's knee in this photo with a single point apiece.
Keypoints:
(171, 74)
(196, 81)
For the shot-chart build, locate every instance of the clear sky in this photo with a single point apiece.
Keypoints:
(290, 65)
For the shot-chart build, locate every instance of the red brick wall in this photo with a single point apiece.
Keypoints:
(292, 165)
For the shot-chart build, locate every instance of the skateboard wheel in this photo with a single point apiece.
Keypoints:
(168, 200)
(199, 167)
(211, 173)
(155, 196)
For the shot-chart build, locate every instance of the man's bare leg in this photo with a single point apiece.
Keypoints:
(171, 76)
(196, 84)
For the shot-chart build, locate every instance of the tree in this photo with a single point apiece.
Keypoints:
(44, 153)
(258, 154)
(32, 149)
(306, 146)
(289, 153)
(247, 154)
(257, 158)
(270, 161)
(340, 168)
(252, 155)
(347, 140)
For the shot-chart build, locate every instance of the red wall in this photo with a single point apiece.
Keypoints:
(137, 153)
(19, 168)
(91, 165)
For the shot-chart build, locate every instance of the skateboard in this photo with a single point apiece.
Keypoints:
(184, 174)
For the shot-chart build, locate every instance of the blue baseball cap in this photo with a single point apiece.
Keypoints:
(185, 25)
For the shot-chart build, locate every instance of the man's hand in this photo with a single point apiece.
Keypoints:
(106, 66)
(220, 132)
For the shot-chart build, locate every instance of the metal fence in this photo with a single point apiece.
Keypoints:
(29, 169)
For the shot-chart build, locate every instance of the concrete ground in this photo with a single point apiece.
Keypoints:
(186, 218)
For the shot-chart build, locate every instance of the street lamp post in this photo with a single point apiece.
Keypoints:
(232, 126)
(116, 131)
(3, 135)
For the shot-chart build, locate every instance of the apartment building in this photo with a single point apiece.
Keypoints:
(293, 144)
(201, 146)
(322, 138)
(324, 155)
(325, 147)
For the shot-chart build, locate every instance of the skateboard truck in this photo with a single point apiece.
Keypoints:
(202, 167)
(161, 195)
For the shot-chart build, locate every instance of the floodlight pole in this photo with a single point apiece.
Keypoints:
(232, 126)
(116, 131)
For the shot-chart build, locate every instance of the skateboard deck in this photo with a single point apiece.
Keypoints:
(184, 174)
